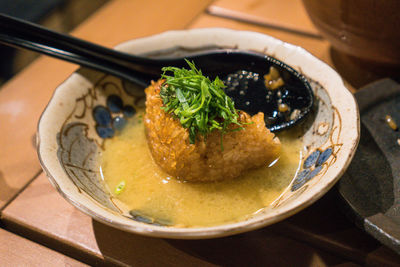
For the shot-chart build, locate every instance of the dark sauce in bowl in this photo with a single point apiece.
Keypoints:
(283, 106)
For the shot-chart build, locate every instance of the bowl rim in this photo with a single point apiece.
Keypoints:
(253, 223)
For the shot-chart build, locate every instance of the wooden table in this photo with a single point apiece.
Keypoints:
(40, 228)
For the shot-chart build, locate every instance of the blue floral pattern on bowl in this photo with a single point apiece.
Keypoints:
(322, 153)
(311, 167)
(112, 117)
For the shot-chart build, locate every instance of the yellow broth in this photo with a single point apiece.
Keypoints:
(151, 192)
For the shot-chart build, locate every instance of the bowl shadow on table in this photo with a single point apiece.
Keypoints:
(257, 248)
(6, 190)
(317, 235)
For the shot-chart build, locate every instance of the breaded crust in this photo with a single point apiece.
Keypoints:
(169, 144)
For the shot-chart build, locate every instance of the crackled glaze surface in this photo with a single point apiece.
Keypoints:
(70, 140)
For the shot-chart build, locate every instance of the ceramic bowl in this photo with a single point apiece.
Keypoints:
(365, 29)
(69, 145)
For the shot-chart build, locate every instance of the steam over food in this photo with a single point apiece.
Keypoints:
(221, 151)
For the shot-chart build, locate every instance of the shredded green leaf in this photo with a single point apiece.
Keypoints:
(120, 187)
(200, 104)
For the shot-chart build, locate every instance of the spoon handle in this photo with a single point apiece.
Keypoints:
(139, 70)
(22, 34)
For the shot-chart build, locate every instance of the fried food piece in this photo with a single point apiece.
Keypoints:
(169, 144)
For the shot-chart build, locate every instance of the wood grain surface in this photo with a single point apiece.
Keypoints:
(30, 206)
(18, 251)
(277, 14)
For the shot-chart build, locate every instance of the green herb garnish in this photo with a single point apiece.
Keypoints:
(200, 104)
(120, 187)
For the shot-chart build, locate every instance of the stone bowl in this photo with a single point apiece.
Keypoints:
(69, 146)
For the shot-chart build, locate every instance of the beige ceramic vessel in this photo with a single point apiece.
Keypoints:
(69, 147)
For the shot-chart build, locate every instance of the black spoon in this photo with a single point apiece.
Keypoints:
(242, 71)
